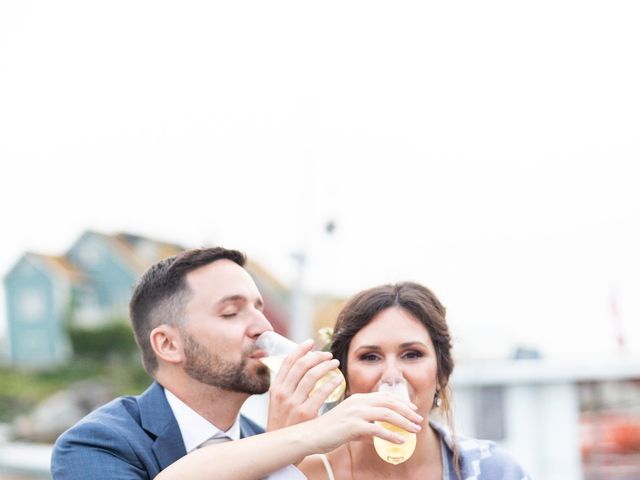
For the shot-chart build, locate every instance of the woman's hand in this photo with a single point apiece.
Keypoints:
(290, 401)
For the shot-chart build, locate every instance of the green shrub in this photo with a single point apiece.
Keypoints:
(112, 339)
(22, 389)
(107, 353)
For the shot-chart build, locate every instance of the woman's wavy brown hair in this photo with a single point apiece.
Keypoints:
(422, 304)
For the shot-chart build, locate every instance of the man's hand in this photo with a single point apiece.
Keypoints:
(290, 401)
(355, 420)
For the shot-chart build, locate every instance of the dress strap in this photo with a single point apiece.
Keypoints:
(327, 466)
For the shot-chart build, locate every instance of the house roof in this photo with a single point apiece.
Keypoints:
(135, 239)
(60, 266)
(138, 252)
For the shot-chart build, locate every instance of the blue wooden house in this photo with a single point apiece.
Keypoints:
(112, 263)
(88, 286)
(39, 293)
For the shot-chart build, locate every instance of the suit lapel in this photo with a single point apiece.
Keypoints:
(157, 418)
(169, 447)
(248, 427)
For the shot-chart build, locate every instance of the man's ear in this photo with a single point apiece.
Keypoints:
(166, 342)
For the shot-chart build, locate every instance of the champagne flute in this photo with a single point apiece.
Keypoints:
(392, 452)
(278, 347)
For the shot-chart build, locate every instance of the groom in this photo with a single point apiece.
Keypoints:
(195, 318)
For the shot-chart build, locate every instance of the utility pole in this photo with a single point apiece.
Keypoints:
(300, 327)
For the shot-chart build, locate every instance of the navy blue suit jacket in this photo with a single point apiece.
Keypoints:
(129, 438)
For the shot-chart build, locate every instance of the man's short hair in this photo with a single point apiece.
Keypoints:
(161, 294)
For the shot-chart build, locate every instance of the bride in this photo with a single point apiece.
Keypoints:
(398, 334)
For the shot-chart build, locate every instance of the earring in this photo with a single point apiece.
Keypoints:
(437, 401)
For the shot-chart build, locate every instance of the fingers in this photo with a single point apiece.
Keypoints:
(289, 393)
(386, 434)
(382, 414)
(302, 368)
(361, 422)
(298, 353)
(386, 400)
(313, 375)
(369, 409)
(404, 408)
(304, 365)
(317, 397)
(367, 415)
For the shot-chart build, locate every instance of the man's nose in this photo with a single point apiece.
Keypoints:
(259, 324)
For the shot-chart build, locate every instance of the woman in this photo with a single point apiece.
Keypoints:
(400, 332)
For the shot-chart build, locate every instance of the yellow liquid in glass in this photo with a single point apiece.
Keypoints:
(274, 364)
(392, 452)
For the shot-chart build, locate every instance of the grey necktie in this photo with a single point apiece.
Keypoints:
(217, 438)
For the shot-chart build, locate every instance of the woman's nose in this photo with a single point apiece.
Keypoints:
(392, 370)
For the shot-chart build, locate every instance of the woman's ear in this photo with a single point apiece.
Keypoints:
(167, 344)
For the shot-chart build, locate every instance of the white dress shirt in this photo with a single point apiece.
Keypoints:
(197, 431)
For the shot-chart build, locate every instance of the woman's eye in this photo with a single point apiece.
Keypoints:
(369, 357)
(228, 315)
(413, 355)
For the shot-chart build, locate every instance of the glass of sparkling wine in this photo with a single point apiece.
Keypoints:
(392, 452)
(278, 347)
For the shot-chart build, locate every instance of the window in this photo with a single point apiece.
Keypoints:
(489, 413)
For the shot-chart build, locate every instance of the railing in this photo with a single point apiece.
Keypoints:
(24, 461)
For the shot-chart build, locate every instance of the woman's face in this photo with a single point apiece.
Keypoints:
(394, 343)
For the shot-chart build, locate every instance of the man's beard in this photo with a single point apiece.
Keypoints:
(210, 369)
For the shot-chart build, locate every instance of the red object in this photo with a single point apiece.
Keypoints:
(610, 434)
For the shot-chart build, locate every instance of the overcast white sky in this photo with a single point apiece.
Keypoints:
(489, 150)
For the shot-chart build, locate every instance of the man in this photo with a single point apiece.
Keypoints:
(196, 317)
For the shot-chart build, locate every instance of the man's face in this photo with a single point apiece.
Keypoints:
(223, 319)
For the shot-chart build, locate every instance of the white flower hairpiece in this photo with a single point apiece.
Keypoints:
(326, 337)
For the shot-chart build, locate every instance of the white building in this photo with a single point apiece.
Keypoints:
(532, 408)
